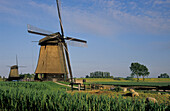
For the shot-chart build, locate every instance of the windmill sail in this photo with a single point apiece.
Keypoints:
(76, 44)
(36, 30)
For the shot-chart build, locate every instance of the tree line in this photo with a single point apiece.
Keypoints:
(99, 74)
(25, 76)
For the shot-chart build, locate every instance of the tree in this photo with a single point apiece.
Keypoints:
(99, 74)
(138, 70)
(87, 76)
(135, 70)
(24, 76)
(144, 71)
(164, 75)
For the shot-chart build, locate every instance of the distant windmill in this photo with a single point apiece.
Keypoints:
(13, 74)
(51, 63)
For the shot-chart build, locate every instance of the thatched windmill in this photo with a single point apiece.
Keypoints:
(13, 74)
(52, 62)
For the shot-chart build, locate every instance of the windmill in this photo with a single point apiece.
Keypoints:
(13, 74)
(53, 53)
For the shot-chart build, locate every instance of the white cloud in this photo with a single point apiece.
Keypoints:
(150, 20)
(161, 2)
(104, 17)
(6, 8)
(49, 9)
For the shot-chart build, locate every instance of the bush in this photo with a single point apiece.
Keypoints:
(118, 78)
(129, 78)
(118, 89)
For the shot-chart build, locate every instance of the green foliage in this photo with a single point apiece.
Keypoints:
(46, 96)
(118, 78)
(87, 76)
(100, 74)
(164, 75)
(139, 70)
(134, 83)
(28, 75)
(129, 78)
(118, 89)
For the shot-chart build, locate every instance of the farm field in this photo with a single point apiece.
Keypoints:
(134, 83)
(50, 96)
(124, 80)
(147, 82)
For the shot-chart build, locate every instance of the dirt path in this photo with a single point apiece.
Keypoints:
(66, 85)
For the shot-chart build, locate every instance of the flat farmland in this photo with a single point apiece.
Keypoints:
(124, 82)
(134, 83)
(18, 96)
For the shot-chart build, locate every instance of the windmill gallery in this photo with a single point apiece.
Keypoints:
(54, 62)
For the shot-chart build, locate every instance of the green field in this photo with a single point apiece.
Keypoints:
(16, 96)
(124, 82)
(1, 79)
(134, 83)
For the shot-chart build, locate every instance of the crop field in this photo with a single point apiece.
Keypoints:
(147, 82)
(135, 83)
(38, 96)
(124, 80)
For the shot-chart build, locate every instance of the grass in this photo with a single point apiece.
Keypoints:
(124, 80)
(134, 83)
(40, 96)
(1, 79)
(162, 99)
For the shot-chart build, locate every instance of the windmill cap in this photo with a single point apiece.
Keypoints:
(14, 67)
(51, 39)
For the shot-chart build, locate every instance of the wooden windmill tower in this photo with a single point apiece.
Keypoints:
(13, 74)
(53, 53)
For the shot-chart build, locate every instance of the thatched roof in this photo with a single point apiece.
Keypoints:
(50, 39)
(14, 67)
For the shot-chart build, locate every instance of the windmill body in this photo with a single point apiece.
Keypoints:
(13, 72)
(53, 53)
(51, 63)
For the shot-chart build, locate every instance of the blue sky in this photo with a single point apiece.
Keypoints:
(118, 32)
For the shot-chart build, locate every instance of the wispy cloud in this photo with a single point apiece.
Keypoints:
(103, 17)
(162, 2)
(145, 18)
(5, 7)
(111, 17)
(49, 9)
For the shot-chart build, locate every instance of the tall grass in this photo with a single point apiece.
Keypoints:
(50, 96)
